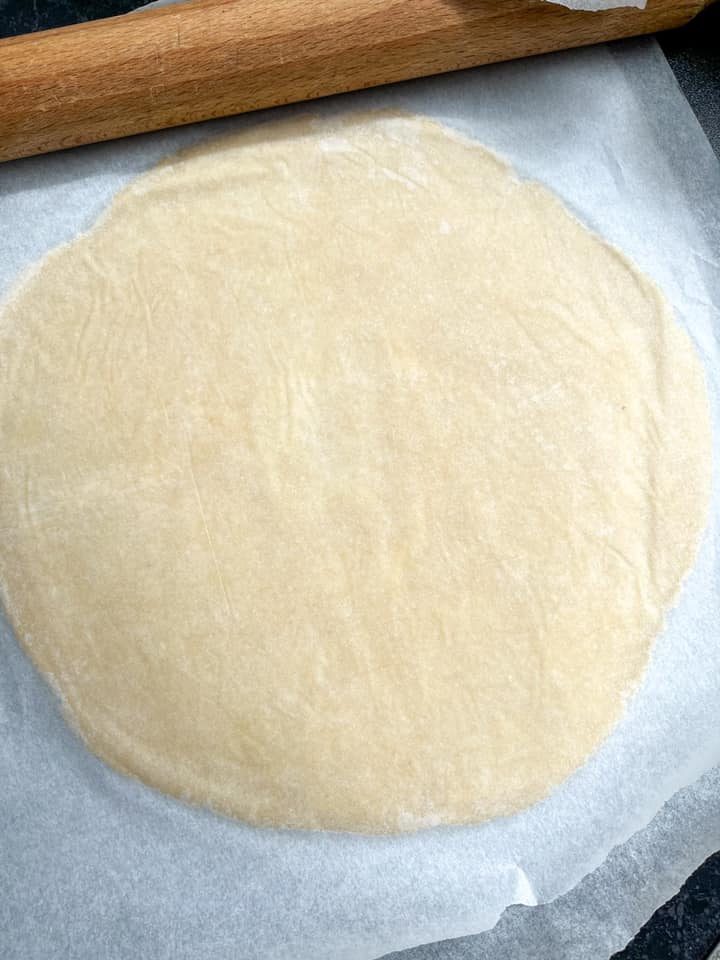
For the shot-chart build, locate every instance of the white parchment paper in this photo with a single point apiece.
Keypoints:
(599, 4)
(607, 908)
(93, 864)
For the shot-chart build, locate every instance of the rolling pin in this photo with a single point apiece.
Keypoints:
(210, 58)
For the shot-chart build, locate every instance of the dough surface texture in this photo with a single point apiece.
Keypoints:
(346, 478)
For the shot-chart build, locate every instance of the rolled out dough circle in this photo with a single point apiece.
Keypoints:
(346, 478)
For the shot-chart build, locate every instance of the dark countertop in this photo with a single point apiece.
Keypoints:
(694, 55)
(687, 927)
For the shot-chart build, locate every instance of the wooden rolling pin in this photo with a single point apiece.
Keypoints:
(209, 58)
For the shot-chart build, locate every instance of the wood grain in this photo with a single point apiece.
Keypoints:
(210, 58)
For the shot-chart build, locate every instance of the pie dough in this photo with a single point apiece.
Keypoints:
(346, 478)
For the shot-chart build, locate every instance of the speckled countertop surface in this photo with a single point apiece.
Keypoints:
(688, 926)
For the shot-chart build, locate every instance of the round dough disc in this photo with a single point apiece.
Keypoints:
(346, 478)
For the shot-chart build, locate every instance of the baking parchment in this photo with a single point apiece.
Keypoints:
(93, 864)
(608, 907)
(599, 4)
